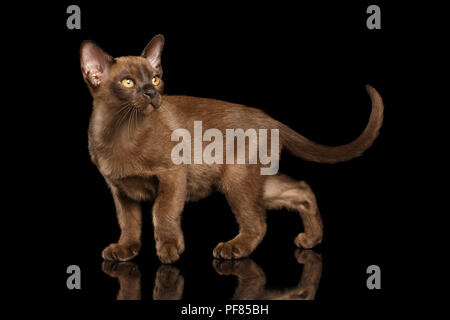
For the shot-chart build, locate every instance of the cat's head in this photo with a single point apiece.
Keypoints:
(131, 80)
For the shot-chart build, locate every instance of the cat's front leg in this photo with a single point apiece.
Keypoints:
(167, 209)
(130, 220)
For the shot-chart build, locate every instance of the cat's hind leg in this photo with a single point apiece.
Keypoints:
(281, 191)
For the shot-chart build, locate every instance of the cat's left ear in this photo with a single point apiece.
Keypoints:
(153, 51)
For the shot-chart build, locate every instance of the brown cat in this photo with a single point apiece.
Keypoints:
(130, 141)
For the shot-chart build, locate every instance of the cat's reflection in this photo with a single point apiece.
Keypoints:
(252, 279)
(169, 283)
(129, 278)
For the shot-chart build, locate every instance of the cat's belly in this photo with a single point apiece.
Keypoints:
(138, 188)
(201, 181)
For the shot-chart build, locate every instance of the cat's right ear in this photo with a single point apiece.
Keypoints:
(94, 62)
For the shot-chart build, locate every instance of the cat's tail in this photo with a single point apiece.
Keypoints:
(311, 151)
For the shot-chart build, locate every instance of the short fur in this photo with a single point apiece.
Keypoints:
(129, 142)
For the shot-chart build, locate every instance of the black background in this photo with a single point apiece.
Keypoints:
(306, 66)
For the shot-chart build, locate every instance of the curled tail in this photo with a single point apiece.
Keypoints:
(311, 151)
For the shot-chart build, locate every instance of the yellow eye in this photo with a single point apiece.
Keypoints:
(156, 80)
(127, 83)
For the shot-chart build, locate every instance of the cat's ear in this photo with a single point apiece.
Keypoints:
(95, 63)
(153, 50)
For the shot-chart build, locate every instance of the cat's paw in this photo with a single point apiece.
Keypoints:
(307, 241)
(169, 284)
(168, 252)
(120, 252)
(231, 250)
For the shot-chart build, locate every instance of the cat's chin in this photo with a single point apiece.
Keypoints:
(146, 109)
(150, 107)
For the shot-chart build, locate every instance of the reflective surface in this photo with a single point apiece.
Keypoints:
(169, 282)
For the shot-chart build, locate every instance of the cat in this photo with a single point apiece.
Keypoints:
(130, 143)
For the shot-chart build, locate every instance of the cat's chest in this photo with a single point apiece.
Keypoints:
(137, 188)
(116, 167)
(114, 161)
(128, 173)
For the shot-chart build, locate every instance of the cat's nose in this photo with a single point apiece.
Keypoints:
(151, 93)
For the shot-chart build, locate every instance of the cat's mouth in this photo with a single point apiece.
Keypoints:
(150, 107)
(147, 107)
(155, 103)
(150, 104)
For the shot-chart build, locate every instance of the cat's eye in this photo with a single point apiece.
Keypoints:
(128, 83)
(156, 80)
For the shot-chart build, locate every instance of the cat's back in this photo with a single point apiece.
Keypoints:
(189, 104)
(218, 113)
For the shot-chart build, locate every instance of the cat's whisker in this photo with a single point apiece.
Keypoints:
(132, 123)
(126, 114)
(131, 119)
(128, 122)
(138, 116)
(130, 113)
(125, 111)
(135, 115)
(122, 107)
